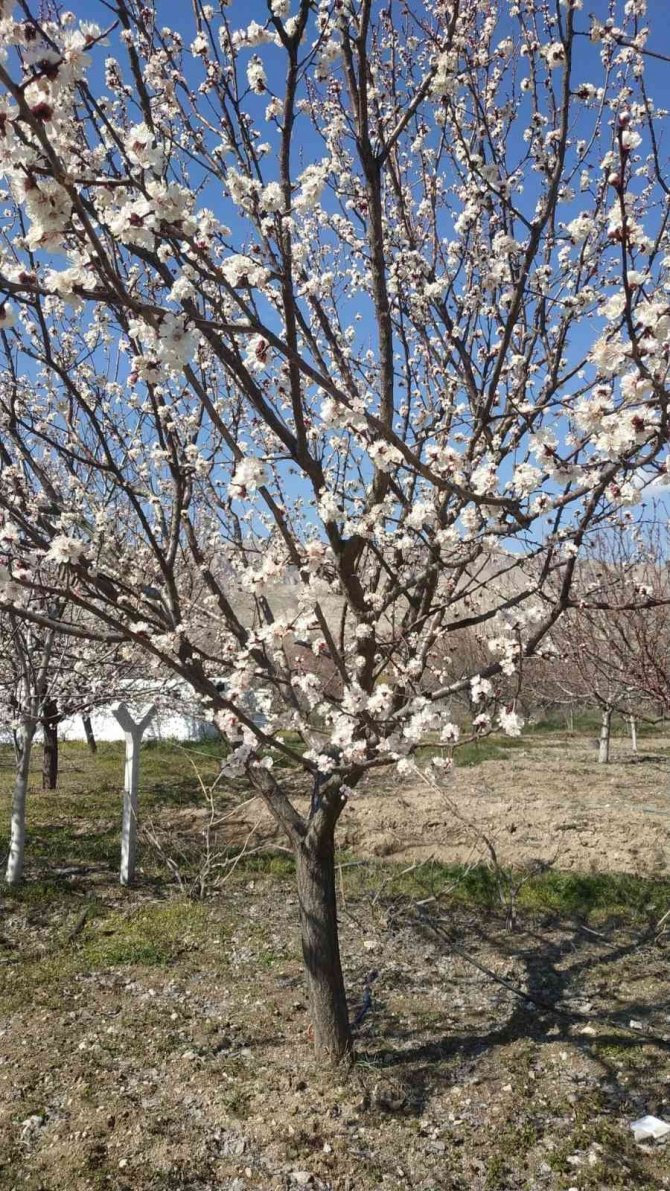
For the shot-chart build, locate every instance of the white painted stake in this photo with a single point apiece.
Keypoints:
(17, 841)
(633, 733)
(605, 730)
(133, 733)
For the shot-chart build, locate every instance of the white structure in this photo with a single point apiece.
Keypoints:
(178, 715)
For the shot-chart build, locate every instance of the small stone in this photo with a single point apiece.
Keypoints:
(31, 1124)
(650, 1129)
(236, 1147)
(301, 1178)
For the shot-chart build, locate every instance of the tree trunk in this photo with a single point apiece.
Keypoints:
(17, 839)
(315, 859)
(605, 731)
(633, 733)
(50, 719)
(88, 732)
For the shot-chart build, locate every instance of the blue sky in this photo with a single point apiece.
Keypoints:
(240, 12)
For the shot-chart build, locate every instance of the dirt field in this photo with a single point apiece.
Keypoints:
(542, 800)
(548, 800)
(152, 1042)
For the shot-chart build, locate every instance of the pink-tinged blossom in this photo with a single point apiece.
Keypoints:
(248, 476)
(256, 75)
(66, 550)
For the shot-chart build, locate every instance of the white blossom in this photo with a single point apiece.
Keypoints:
(66, 550)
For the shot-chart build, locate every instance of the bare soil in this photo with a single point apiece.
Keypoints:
(544, 801)
(195, 1070)
(150, 1042)
(549, 802)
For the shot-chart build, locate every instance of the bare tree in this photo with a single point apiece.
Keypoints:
(615, 637)
(357, 337)
(631, 639)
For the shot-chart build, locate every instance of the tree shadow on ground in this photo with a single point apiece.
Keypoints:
(567, 969)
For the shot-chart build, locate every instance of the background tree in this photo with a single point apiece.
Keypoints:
(614, 637)
(25, 657)
(587, 672)
(630, 640)
(362, 295)
(46, 676)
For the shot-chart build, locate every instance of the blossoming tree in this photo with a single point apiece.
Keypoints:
(369, 296)
(45, 675)
(25, 655)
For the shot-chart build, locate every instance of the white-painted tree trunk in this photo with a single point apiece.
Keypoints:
(133, 733)
(17, 839)
(605, 732)
(633, 733)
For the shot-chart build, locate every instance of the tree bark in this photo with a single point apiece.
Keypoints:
(17, 840)
(605, 732)
(50, 720)
(88, 732)
(633, 733)
(315, 860)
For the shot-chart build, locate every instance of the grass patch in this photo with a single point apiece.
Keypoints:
(474, 752)
(620, 895)
(587, 722)
(156, 935)
(63, 845)
(587, 897)
(490, 748)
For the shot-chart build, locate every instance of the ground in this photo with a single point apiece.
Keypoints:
(159, 1038)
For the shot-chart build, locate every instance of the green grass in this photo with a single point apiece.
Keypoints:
(586, 722)
(596, 894)
(157, 935)
(587, 897)
(490, 748)
(64, 845)
(495, 747)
